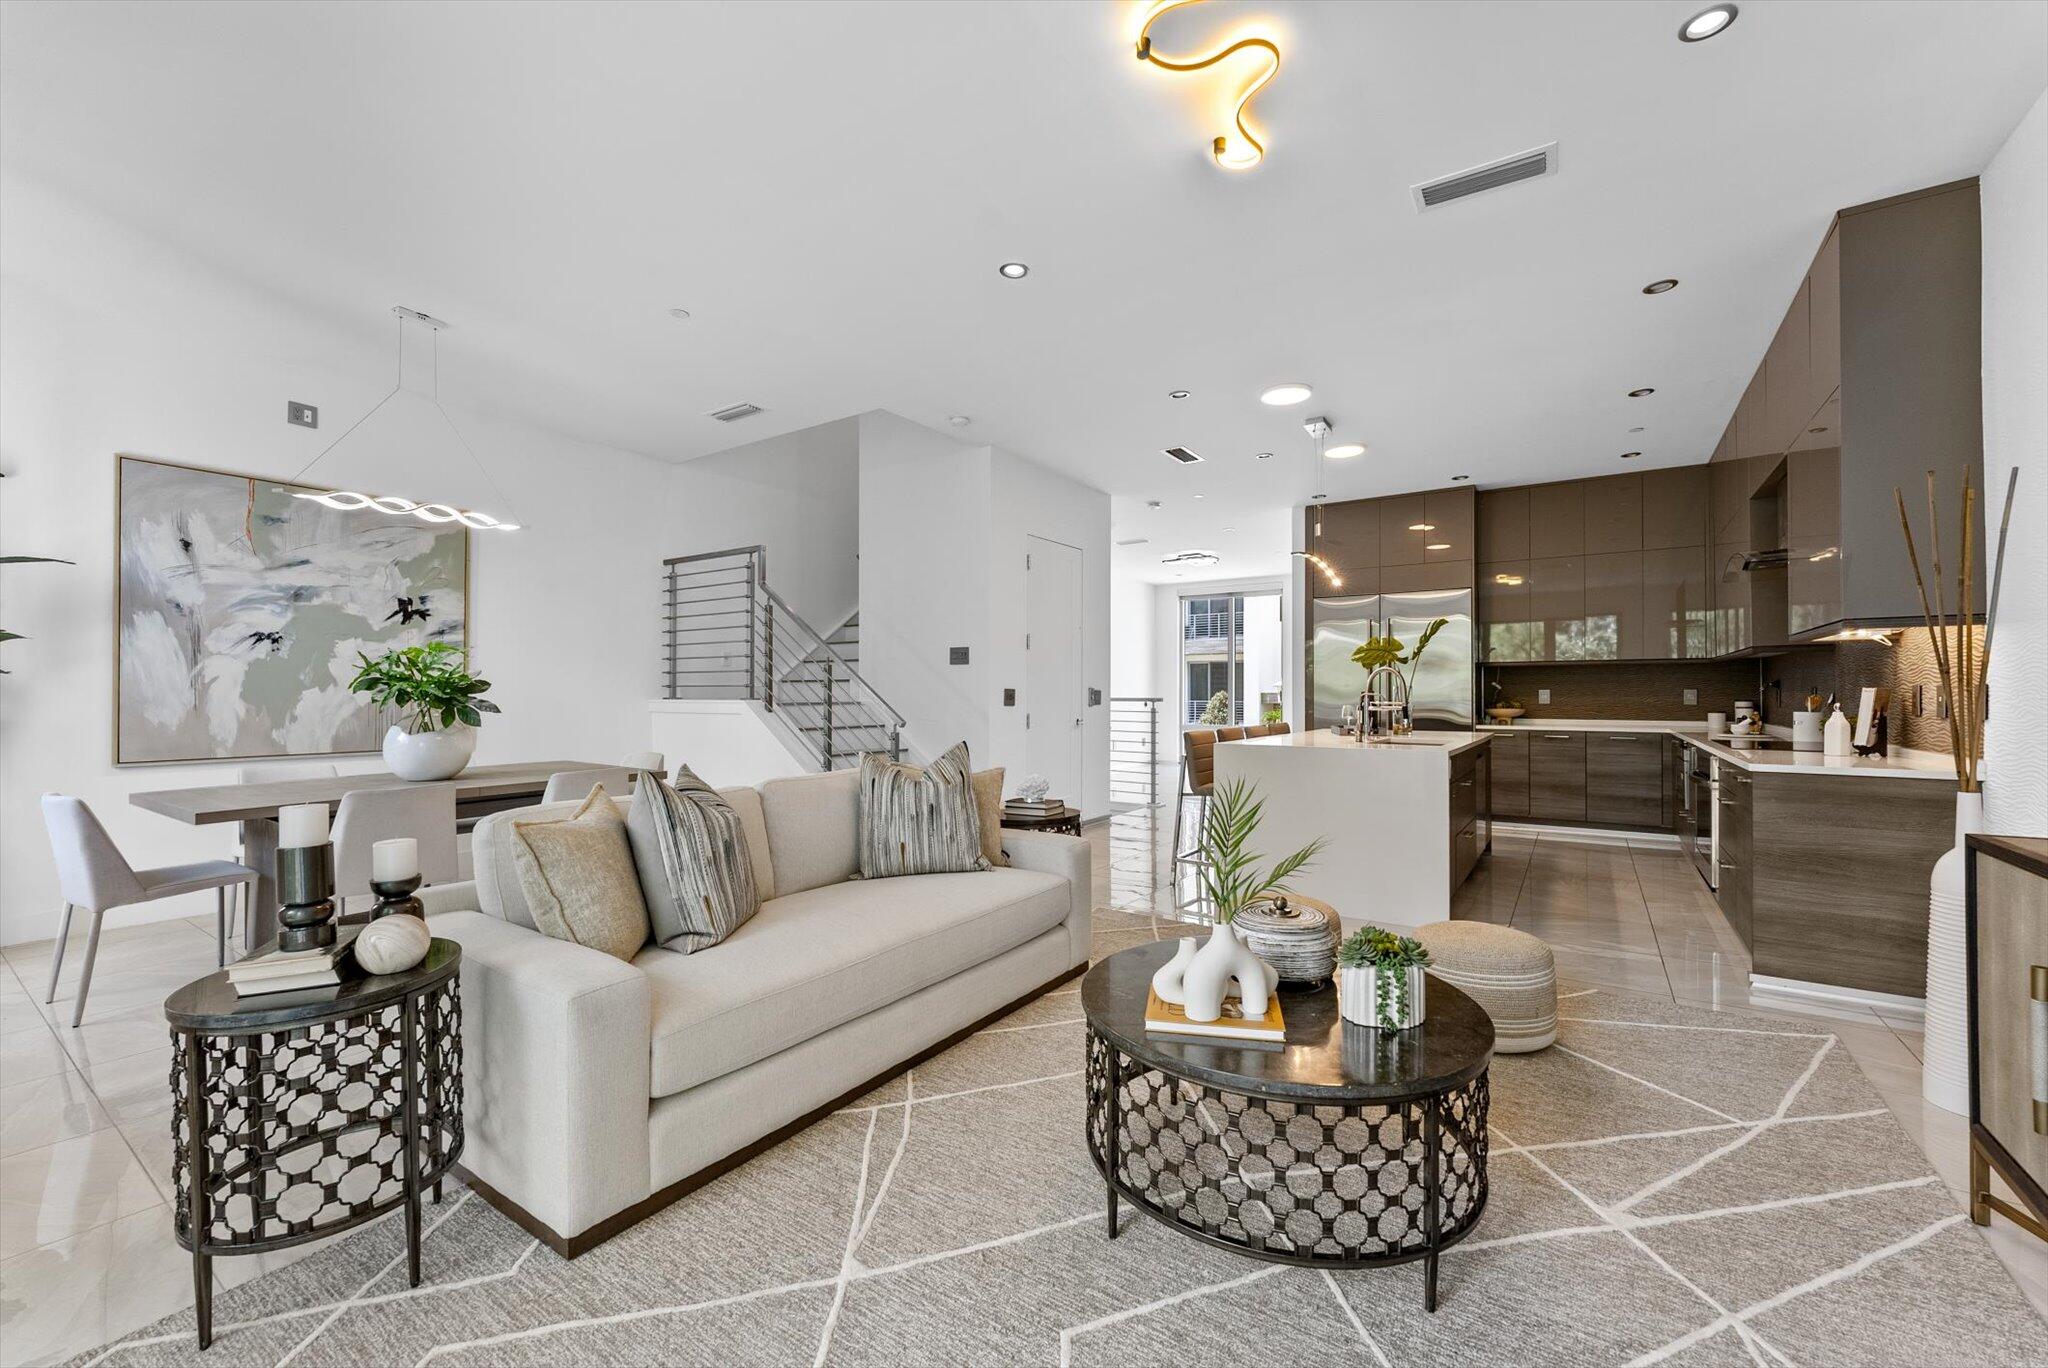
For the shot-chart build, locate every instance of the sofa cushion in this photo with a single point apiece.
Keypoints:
(579, 880)
(812, 820)
(690, 849)
(918, 819)
(812, 960)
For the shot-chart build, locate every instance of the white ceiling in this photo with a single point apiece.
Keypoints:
(829, 188)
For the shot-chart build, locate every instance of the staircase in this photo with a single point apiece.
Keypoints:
(727, 634)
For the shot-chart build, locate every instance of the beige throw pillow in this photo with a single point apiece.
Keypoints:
(579, 879)
(988, 805)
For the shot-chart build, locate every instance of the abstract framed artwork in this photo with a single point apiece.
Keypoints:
(240, 608)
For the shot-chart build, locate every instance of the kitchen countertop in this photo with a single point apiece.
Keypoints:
(1322, 738)
(1900, 764)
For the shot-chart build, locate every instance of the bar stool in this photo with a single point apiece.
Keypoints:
(94, 875)
(567, 786)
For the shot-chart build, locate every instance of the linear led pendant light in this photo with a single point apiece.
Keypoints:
(1245, 151)
(1319, 429)
(346, 499)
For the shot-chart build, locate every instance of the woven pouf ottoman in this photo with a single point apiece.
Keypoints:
(1508, 972)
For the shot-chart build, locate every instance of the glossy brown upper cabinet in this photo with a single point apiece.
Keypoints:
(1451, 515)
(1350, 542)
(1504, 524)
(1557, 519)
(1614, 607)
(1676, 605)
(1614, 514)
(1675, 507)
(1404, 520)
(1788, 393)
(1824, 321)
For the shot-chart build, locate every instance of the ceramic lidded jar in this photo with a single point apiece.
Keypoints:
(1298, 938)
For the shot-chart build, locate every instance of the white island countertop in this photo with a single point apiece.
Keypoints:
(1900, 764)
(1448, 743)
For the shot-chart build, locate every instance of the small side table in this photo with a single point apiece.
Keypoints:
(298, 1115)
(1067, 820)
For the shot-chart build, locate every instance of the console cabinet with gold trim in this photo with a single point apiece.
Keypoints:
(2008, 979)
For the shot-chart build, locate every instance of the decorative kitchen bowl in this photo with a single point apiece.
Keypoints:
(1296, 935)
(1504, 714)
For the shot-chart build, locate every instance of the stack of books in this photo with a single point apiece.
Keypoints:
(291, 971)
(1034, 807)
(1172, 1019)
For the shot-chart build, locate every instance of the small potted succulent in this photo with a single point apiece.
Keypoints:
(441, 704)
(1379, 979)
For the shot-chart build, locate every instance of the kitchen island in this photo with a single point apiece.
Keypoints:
(1405, 818)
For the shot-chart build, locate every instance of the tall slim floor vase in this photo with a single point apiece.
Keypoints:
(1945, 1068)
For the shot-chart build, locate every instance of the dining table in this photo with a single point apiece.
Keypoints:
(479, 791)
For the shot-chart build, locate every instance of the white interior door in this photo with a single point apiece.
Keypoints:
(1053, 704)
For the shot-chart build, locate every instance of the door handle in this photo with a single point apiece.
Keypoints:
(2038, 1013)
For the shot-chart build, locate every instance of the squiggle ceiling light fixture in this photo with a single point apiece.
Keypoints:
(348, 499)
(1245, 151)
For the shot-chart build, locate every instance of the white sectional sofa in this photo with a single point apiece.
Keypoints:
(598, 1091)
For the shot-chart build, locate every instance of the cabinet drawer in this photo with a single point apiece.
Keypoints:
(1464, 853)
(1510, 795)
(1625, 778)
(1557, 775)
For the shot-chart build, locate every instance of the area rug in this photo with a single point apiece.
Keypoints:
(1668, 1186)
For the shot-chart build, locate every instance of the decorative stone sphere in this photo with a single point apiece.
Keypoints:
(391, 945)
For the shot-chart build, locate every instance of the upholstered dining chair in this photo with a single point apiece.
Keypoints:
(271, 774)
(568, 786)
(647, 762)
(425, 812)
(93, 874)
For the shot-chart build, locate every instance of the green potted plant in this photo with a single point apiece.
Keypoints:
(1387, 650)
(1379, 979)
(1217, 713)
(1231, 880)
(441, 704)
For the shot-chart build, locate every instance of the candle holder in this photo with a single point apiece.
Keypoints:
(395, 898)
(305, 887)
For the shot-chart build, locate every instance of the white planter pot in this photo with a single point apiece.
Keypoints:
(1361, 993)
(1945, 1070)
(1222, 967)
(422, 756)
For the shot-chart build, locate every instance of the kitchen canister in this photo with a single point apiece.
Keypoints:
(1297, 936)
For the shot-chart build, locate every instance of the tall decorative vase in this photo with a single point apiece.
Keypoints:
(1219, 964)
(1945, 1066)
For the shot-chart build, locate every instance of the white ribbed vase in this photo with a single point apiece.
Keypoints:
(1945, 1066)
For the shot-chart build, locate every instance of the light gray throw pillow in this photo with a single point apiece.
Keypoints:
(918, 821)
(696, 873)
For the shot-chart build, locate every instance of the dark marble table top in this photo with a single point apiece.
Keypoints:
(1324, 1059)
(211, 1007)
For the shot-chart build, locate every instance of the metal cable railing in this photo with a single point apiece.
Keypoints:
(1134, 751)
(728, 635)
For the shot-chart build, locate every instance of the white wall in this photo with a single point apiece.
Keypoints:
(2015, 224)
(798, 495)
(111, 342)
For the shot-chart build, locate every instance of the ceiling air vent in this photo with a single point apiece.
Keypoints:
(1183, 455)
(735, 413)
(1538, 161)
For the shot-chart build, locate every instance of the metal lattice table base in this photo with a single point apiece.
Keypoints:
(1327, 1186)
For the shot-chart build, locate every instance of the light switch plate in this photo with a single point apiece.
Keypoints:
(301, 415)
(1009, 698)
(1692, 697)
(1543, 695)
(956, 655)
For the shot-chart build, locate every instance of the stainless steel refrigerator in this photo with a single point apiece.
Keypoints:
(1442, 700)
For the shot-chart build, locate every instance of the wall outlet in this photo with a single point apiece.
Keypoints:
(1009, 698)
(1919, 700)
(1692, 697)
(956, 655)
(301, 415)
(1095, 698)
(1543, 695)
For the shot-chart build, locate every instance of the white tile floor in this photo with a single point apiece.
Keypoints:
(86, 1251)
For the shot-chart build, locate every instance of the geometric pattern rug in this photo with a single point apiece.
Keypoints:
(1668, 1186)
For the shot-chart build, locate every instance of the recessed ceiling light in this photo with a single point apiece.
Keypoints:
(1437, 546)
(1013, 270)
(1630, 455)
(1177, 394)
(1280, 396)
(1230, 529)
(1422, 527)
(1265, 456)
(1708, 22)
(1820, 429)
(1344, 451)
(1641, 393)
(1456, 478)
(678, 313)
(959, 420)
(1636, 429)
(1660, 286)
(1154, 503)
(1198, 496)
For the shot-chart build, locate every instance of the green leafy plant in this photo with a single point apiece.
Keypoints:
(1271, 715)
(1217, 713)
(1387, 650)
(1383, 952)
(24, 560)
(1230, 878)
(431, 684)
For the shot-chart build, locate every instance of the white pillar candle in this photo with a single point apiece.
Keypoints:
(396, 859)
(304, 824)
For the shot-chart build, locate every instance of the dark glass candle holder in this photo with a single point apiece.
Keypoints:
(395, 898)
(305, 887)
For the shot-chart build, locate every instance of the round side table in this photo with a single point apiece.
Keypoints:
(299, 1115)
(1067, 821)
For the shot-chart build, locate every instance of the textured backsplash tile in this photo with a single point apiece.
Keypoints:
(1638, 691)
(1846, 669)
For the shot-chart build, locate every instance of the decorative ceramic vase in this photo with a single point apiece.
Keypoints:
(1219, 965)
(1362, 993)
(423, 756)
(1167, 982)
(391, 945)
(1945, 1067)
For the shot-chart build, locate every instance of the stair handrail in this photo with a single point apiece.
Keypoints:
(818, 642)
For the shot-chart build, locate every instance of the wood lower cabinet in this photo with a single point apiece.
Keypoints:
(1737, 870)
(1557, 775)
(1625, 778)
(2008, 921)
(1510, 790)
(1469, 804)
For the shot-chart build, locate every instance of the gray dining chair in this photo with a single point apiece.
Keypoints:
(425, 812)
(271, 774)
(647, 762)
(93, 874)
(568, 786)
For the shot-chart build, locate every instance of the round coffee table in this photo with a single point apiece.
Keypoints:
(1346, 1147)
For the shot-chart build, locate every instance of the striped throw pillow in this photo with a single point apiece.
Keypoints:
(918, 821)
(696, 874)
